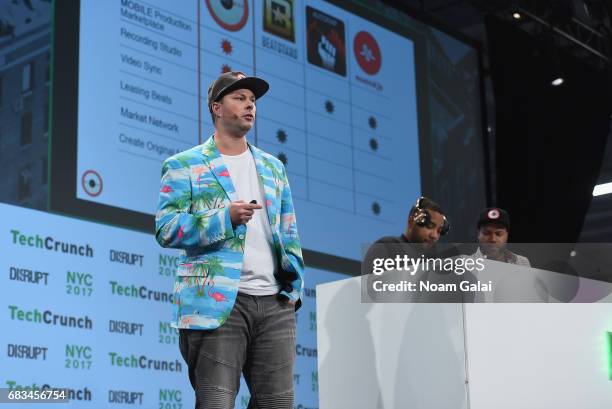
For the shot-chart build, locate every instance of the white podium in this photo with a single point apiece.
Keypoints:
(453, 356)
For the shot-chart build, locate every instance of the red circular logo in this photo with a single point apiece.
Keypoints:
(367, 52)
(232, 15)
(91, 182)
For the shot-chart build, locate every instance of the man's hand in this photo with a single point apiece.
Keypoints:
(285, 300)
(241, 212)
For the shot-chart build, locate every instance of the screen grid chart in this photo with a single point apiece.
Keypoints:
(341, 113)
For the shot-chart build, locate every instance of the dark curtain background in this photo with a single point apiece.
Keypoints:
(550, 140)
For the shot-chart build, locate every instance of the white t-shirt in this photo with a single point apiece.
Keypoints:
(260, 263)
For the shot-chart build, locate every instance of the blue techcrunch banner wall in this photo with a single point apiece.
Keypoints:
(386, 104)
(87, 307)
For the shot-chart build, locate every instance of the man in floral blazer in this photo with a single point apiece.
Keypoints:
(227, 205)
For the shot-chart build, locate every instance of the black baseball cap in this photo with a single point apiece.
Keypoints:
(494, 215)
(233, 80)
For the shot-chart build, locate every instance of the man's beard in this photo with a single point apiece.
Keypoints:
(492, 250)
(239, 129)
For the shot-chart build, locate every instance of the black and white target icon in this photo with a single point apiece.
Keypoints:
(92, 183)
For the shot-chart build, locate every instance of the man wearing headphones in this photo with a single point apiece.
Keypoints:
(426, 224)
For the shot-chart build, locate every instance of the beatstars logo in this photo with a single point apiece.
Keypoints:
(278, 18)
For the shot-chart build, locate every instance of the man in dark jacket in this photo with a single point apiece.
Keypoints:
(419, 242)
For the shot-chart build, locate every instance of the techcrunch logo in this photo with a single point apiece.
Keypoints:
(49, 318)
(305, 351)
(141, 292)
(142, 362)
(51, 244)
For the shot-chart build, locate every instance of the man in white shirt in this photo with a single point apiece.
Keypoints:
(493, 228)
(227, 205)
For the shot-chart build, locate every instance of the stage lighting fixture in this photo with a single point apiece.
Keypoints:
(602, 189)
(557, 81)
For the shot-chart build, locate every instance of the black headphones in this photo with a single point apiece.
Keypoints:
(422, 217)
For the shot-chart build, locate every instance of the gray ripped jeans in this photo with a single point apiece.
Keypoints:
(257, 340)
